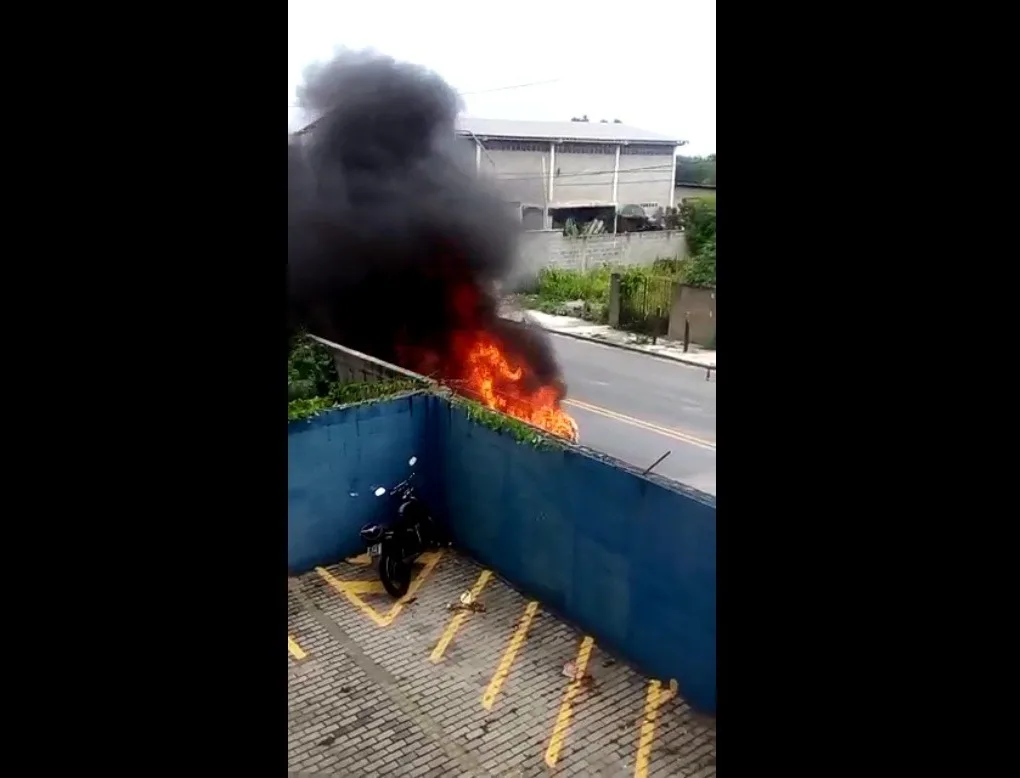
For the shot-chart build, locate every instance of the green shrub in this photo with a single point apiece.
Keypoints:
(311, 371)
(669, 266)
(560, 286)
(313, 384)
(348, 393)
(697, 217)
(700, 269)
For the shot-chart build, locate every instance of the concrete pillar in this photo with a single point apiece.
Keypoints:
(672, 179)
(614, 301)
(552, 172)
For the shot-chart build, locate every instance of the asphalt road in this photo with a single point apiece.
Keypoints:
(636, 407)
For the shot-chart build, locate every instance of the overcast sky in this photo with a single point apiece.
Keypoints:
(652, 66)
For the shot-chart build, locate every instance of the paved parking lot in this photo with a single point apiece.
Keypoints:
(430, 687)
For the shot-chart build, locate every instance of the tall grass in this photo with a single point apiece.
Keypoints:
(592, 286)
(560, 286)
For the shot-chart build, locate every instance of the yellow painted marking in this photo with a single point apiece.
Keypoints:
(295, 650)
(552, 753)
(365, 587)
(352, 590)
(656, 697)
(362, 560)
(668, 432)
(458, 619)
(489, 698)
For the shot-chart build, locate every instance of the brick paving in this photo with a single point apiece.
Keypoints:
(368, 700)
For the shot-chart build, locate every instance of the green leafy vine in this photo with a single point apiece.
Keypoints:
(520, 431)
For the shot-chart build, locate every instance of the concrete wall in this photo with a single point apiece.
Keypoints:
(518, 175)
(699, 306)
(550, 248)
(628, 559)
(645, 179)
(352, 365)
(344, 452)
(582, 173)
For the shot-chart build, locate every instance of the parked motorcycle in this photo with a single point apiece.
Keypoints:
(396, 546)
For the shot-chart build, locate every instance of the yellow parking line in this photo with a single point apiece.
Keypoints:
(489, 698)
(364, 587)
(352, 590)
(552, 753)
(668, 432)
(295, 650)
(655, 698)
(457, 620)
(355, 600)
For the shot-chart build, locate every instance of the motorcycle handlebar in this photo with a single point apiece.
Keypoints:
(402, 485)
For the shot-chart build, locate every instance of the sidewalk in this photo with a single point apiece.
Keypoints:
(603, 333)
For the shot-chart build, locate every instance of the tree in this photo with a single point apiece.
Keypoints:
(696, 216)
(695, 170)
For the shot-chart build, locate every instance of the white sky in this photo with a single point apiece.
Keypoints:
(652, 66)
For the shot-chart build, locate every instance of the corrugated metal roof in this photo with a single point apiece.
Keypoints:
(584, 131)
(512, 128)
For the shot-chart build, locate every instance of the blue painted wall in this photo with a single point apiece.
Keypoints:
(628, 560)
(347, 451)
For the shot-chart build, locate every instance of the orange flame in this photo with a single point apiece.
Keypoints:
(491, 378)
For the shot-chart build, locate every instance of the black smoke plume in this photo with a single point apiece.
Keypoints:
(394, 245)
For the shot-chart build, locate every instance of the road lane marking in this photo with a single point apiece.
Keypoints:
(489, 698)
(353, 590)
(655, 699)
(668, 432)
(552, 753)
(458, 619)
(295, 650)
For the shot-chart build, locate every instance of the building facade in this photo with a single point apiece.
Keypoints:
(555, 170)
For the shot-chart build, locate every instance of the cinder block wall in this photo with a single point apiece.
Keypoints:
(352, 365)
(550, 248)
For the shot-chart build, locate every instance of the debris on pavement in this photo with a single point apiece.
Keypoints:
(468, 602)
(585, 681)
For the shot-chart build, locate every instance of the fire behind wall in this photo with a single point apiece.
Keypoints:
(394, 249)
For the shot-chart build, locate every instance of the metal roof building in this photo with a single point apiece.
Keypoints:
(583, 132)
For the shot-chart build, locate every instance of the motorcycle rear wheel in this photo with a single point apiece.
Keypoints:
(394, 573)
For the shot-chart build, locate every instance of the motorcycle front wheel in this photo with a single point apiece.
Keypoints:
(394, 573)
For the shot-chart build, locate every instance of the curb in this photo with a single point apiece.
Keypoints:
(625, 347)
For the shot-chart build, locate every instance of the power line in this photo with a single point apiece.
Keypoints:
(512, 86)
(609, 171)
(488, 91)
(590, 183)
(620, 183)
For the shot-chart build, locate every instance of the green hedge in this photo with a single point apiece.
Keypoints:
(313, 384)
(697, 216)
